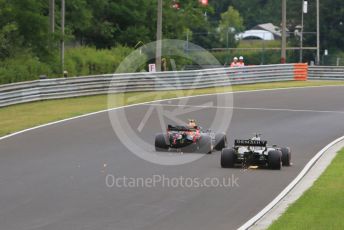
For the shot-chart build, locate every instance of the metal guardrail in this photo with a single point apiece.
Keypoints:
(326, 72)
(135, 82)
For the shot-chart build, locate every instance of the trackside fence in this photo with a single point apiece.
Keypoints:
(326, 72)
(46, 89)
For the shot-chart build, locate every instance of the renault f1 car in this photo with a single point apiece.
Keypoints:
(189, 139)
(255, 151)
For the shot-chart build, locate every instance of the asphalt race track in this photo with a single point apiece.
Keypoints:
(54, 177)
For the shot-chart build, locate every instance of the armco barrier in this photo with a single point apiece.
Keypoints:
(326, 72)
(135, 82)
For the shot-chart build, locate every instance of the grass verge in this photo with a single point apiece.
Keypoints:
(320, 207)
(23, 116)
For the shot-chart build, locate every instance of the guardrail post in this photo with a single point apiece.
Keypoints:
(300, 72)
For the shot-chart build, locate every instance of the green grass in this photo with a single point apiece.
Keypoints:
(320, 207)
(18, 117)
(259, 44)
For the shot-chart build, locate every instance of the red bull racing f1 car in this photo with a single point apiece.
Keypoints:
(189, 138)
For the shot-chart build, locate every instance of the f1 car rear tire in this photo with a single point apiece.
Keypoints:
(274, 159)
(220, 141)
(161, 143)
(205, 144)
(227, 158)
(286, 156)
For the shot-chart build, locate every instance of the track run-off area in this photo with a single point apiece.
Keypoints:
(57, 176)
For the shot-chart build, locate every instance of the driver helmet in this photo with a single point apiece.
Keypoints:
(192, 123)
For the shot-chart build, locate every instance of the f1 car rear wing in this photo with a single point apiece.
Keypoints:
(180, 128)
(253, 143)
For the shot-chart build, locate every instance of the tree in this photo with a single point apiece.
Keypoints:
(331, 25)
(119, 22)
(79, 19)
(31, 19)
(9, 35)
(192, 19)
(8, 40)
(231, 22)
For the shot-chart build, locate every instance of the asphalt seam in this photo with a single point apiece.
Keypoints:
(295, 189)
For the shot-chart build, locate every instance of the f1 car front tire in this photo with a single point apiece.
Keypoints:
(227, 158)
(274, 159)
(161, 143)
(220, 141)
(286, 156)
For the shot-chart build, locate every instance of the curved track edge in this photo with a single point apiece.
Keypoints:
(271, 212)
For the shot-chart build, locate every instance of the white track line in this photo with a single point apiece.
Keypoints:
(280, 196)
(176, 98)
(248, 108)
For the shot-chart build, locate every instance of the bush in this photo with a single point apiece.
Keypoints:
(80, 61)
(22, 68)
(89, 61)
